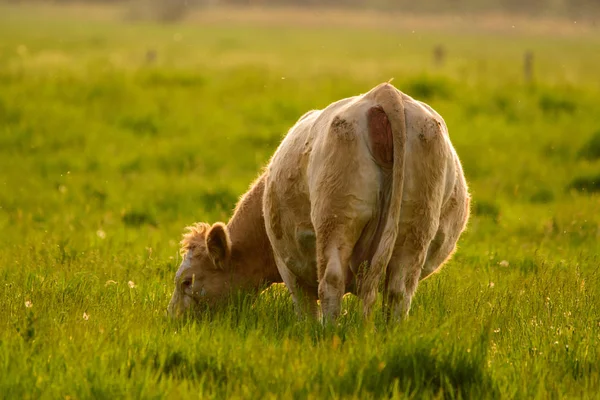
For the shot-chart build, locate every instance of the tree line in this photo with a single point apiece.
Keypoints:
(589, 9)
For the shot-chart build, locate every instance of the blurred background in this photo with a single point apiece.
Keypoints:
(121, 123)
(154, 114)
(177, 9)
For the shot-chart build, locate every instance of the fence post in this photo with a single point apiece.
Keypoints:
(528, 66)
(439, 55)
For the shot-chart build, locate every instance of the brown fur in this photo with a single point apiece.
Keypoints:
(194, 237)
(238, 256)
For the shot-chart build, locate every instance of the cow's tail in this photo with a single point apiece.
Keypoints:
(390, 99)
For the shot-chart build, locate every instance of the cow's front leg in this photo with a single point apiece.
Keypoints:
(305, 299)
(333, 261)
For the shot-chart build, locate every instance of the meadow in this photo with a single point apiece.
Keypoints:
(116, 134)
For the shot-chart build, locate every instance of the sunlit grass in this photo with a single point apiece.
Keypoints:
(107, 152)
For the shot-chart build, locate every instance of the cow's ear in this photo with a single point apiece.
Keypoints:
(218, 244)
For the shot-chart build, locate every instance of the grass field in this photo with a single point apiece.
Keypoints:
(115, 135)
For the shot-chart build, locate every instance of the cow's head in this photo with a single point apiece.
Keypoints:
(203, 277)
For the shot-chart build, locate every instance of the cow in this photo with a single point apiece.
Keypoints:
(369, 189)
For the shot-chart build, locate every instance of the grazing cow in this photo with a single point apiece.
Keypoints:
(368, 188)
(220, 259)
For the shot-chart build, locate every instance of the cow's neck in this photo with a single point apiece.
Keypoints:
(252, 256)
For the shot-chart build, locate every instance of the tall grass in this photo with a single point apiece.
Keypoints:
(106, 154)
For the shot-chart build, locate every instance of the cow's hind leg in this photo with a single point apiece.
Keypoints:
(404, 271)
(421, 252)
(418, 226)
(339, 218)
(344, 183)
(455, 214)
(333, 258)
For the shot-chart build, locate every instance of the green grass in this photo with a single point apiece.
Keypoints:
(105, 157)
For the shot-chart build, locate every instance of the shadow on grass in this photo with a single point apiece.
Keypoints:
(428, 367)
(586, 184)
(542, 196)
(553, 104)
(488, 209)
(180, 365)
(591, 149)
(137, 218)
(427, 88)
